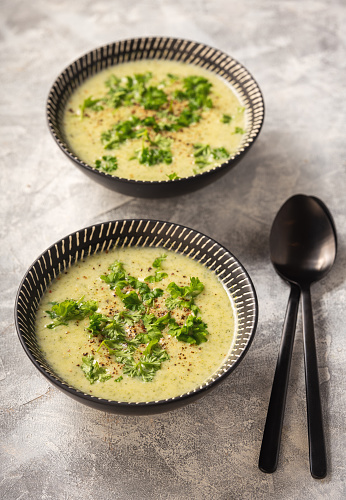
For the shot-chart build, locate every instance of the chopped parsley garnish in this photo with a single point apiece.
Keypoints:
(226, 119)
(131, 300)
(118, 279)
(183, 296)
(121, 132)
(186, 118)
(172, 78)
(90, 103)
(134, 90)
(239, 130)
(159, 275)
(126, 91)
(97, 322)
(134, 336)
(117, 276)
(128, 317)
(196, 92)
(219, 153)
(173, 176)
(158, 261)
(107, 164)
(152, 156)
(153, 98)
(93, 371)
(109, 328)
(148, 364)
(69, 310)
(194, 330)
(204, 154)
(126, 349)
(158, 151)
(168, 107)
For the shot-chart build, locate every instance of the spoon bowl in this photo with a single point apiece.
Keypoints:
(302, 240)
(303, 246)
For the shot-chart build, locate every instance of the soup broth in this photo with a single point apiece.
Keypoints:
(154, 120)
(186, 330)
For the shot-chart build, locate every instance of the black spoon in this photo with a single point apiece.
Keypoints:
(303, 250)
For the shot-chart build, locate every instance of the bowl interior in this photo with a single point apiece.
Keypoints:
(155, 48)
(135, 232)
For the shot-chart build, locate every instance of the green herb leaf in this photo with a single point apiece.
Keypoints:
(183, 297)
(226, 119)
(173, 78)
(196, 91)
(194, 331)
(117, 278)
(158, 261)
(128, 317)
(239, 130)
(153, 156)
(186, 118)
(69, 310)
(125, 347)
(194, 289)
(93, 371)
(220, 153)
(107, 164)
(126, 91)
(159, 276)
(121, 352)
(154, 326)
(130, 300)
(134, 90)
(97, 322)
(173, 176)
(204, 154)
(107, 327)
(186, 292)
(117, 266)
(201, 150)
(148, 364)
(121, 132)
(160, 142)
(114, 330)
(90, 103)
(153, 98)
(137, 284)
(151, 295)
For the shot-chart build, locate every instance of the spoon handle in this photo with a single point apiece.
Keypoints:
(317, 450)
(272, 431)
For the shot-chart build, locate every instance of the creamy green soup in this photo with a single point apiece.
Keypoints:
(136, 324)
(154, 120)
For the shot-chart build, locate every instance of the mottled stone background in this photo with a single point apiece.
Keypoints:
(51, 446)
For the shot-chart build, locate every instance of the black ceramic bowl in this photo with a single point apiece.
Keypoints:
(156, 48)
(140, 233)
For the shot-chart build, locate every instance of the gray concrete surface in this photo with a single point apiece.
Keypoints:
(55, 448)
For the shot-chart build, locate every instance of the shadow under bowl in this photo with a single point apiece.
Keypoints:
(198, 54)
(141, 233)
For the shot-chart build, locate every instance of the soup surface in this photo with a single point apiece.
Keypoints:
(154, 120)
(136, 324)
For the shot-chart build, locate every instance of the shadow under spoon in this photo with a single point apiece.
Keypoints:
(302, 250)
